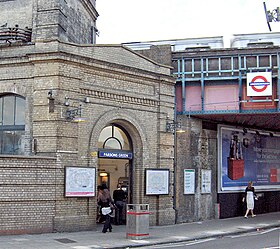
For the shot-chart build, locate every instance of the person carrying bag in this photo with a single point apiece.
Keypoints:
(106, 203)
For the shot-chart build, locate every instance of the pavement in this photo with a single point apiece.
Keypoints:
(157, 234)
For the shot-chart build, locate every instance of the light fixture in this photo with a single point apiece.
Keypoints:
(50, 94)
(86, 100)
(75, 114)
(172, 126)
(66, 101)
(180, 130)
(71, 114)
(103, 174)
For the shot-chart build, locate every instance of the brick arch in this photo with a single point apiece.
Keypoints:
(129, 122)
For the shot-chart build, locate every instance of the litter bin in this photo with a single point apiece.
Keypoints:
(137, 221)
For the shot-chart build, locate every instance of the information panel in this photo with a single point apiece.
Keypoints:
(189, 181)
(205, 181)
(157, 181)
(79, 182)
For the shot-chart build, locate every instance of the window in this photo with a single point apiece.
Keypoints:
(113, 138)
(12, 124)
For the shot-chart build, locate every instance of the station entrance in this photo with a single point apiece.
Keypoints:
(115, 160)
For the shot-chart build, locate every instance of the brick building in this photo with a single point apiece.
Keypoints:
(52, 74)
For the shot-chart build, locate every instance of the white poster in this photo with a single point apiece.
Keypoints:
(157, 181)
(79, 182)
(205, 181)
(259, 84)
(189, 181)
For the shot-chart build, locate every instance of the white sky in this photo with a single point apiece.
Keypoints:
(123, 21)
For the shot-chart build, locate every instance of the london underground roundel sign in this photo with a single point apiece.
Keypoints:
(259, 84)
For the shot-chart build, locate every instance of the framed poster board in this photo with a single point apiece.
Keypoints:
(189, 181)
(205, 181)
(259, 162)
(157, 181)
(80, 181)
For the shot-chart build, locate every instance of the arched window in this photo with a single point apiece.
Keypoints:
(114, 138)
(12, 124)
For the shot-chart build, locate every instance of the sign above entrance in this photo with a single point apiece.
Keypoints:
(115, 154)
(259, 84)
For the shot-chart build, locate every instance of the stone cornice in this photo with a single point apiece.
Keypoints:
(120, 97)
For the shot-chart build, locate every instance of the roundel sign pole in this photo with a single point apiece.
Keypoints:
(259, 84)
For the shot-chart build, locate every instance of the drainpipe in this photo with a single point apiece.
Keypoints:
(175, 162)
(278, 82)
(183, 90)
(175, 177)
(240, 90)
(202, 84)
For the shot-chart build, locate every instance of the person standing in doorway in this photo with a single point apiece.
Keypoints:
(119, 197)
(250, 197)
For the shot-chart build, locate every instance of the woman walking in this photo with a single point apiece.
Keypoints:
(105, 201)
(250, 199)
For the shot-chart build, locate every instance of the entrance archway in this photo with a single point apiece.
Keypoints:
(115, 155)
(132, 128)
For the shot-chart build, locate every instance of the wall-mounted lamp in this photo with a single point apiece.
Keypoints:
(103, 174)
(75, 114)
(66, 101)
(172, 126)
(50, 94)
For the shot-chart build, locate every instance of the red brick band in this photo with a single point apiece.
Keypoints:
(136, 213)
(137, 234)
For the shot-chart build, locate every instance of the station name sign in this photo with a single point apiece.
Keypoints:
(259, 84)
(115, 154)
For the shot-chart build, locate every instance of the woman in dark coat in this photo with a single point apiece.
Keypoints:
(105, 201)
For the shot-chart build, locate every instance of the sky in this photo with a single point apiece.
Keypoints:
(122, 21)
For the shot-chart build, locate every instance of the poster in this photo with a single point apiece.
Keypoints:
(205, 181)
(248, 155)
(189, 181)
(79, 182)
(157, 181)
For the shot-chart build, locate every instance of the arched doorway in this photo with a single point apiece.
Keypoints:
(115, 159)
